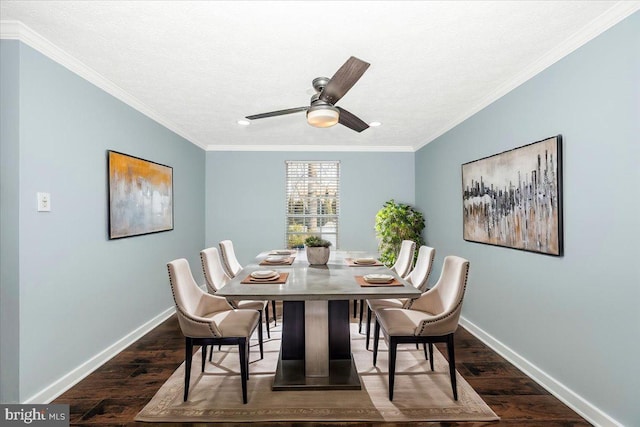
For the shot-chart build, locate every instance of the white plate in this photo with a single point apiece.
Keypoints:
(378, 278)
(280, 252)
(264, 274)
(275, 258)
(267, 279)
(365, 260)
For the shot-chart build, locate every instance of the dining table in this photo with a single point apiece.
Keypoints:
(315, 349)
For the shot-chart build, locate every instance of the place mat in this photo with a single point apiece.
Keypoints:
(285, 261)
(279, 281)
(365, 284)
(351, 262)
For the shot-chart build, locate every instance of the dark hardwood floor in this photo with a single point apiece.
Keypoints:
(117, 391)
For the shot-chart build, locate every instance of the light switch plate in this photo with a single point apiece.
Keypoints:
(44, 202)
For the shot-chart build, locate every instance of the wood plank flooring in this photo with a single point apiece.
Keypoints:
(118, 390)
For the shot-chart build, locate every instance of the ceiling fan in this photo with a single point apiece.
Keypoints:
(321, 112)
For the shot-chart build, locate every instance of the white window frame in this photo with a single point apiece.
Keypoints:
(305, 181)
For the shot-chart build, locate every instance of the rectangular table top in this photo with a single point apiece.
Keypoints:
(334, 281)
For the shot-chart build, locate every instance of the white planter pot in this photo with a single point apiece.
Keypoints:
(317, 255)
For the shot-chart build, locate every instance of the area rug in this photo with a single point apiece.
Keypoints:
(215, 395)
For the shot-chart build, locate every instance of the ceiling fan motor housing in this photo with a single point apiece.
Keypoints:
(319, 83)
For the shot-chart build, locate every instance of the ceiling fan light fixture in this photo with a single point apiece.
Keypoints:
(323, 116)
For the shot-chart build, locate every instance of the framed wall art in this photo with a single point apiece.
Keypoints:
(140, 196)
(514, 199)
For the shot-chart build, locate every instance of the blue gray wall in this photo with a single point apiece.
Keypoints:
(79, 293)
(246, 196)
(9, 221)
(575, 317)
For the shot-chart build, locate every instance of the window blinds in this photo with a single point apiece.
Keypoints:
(313, 201)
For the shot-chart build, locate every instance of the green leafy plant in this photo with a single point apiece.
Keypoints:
(396, 222)
(295, 240)
(315, 242)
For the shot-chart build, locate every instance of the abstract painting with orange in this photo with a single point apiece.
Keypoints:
(140, 196)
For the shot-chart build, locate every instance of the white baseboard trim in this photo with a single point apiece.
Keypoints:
(70, 379)
(584, 408)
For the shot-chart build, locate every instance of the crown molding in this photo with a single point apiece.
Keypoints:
(331, 148)
(608, 19)
(16, 30)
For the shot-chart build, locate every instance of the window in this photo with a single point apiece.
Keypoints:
(313, 201)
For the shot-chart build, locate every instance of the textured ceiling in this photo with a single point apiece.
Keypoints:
(198, 67)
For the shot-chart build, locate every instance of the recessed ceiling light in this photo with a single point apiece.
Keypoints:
(374, 124)
(243, 122)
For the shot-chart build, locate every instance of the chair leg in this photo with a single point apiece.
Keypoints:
(424, 349)
(260, 340)
(376, 338)
(248, 353)
(431, 355)
(361, 316)
(273, 305)
(355, 307)
(211, 353)
(188, 355)
(452, 366)
(204, 355)
(266, 320)
(368, 326)
(242, 348)
(393, 347)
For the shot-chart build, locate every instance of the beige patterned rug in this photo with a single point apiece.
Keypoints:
(215, 396)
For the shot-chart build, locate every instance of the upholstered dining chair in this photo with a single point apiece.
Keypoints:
(404, 261)
(402, 267)
(232, 267)
(206, 319)
(216, 278)
(419, 277)
(433, 317)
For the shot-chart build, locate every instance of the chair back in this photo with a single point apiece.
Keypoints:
(231, 265)
(186, 293)
(444, 301)
(404, 262)
(213, 270)
(192, 303)
(419, 276)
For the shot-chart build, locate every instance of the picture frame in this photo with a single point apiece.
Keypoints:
(140, 196)
(514, 199)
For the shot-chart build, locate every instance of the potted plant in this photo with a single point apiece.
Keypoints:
(317, 250)
(396, 222)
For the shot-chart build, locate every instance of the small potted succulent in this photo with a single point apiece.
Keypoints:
(317, 250)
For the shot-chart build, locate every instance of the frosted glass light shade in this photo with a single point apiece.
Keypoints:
(323, 116)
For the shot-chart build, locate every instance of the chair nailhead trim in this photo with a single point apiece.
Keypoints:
(213, 332)
(464, 288)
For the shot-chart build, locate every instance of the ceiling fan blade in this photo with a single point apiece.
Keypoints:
(343, 80)
(277, 113)
(351, 121)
